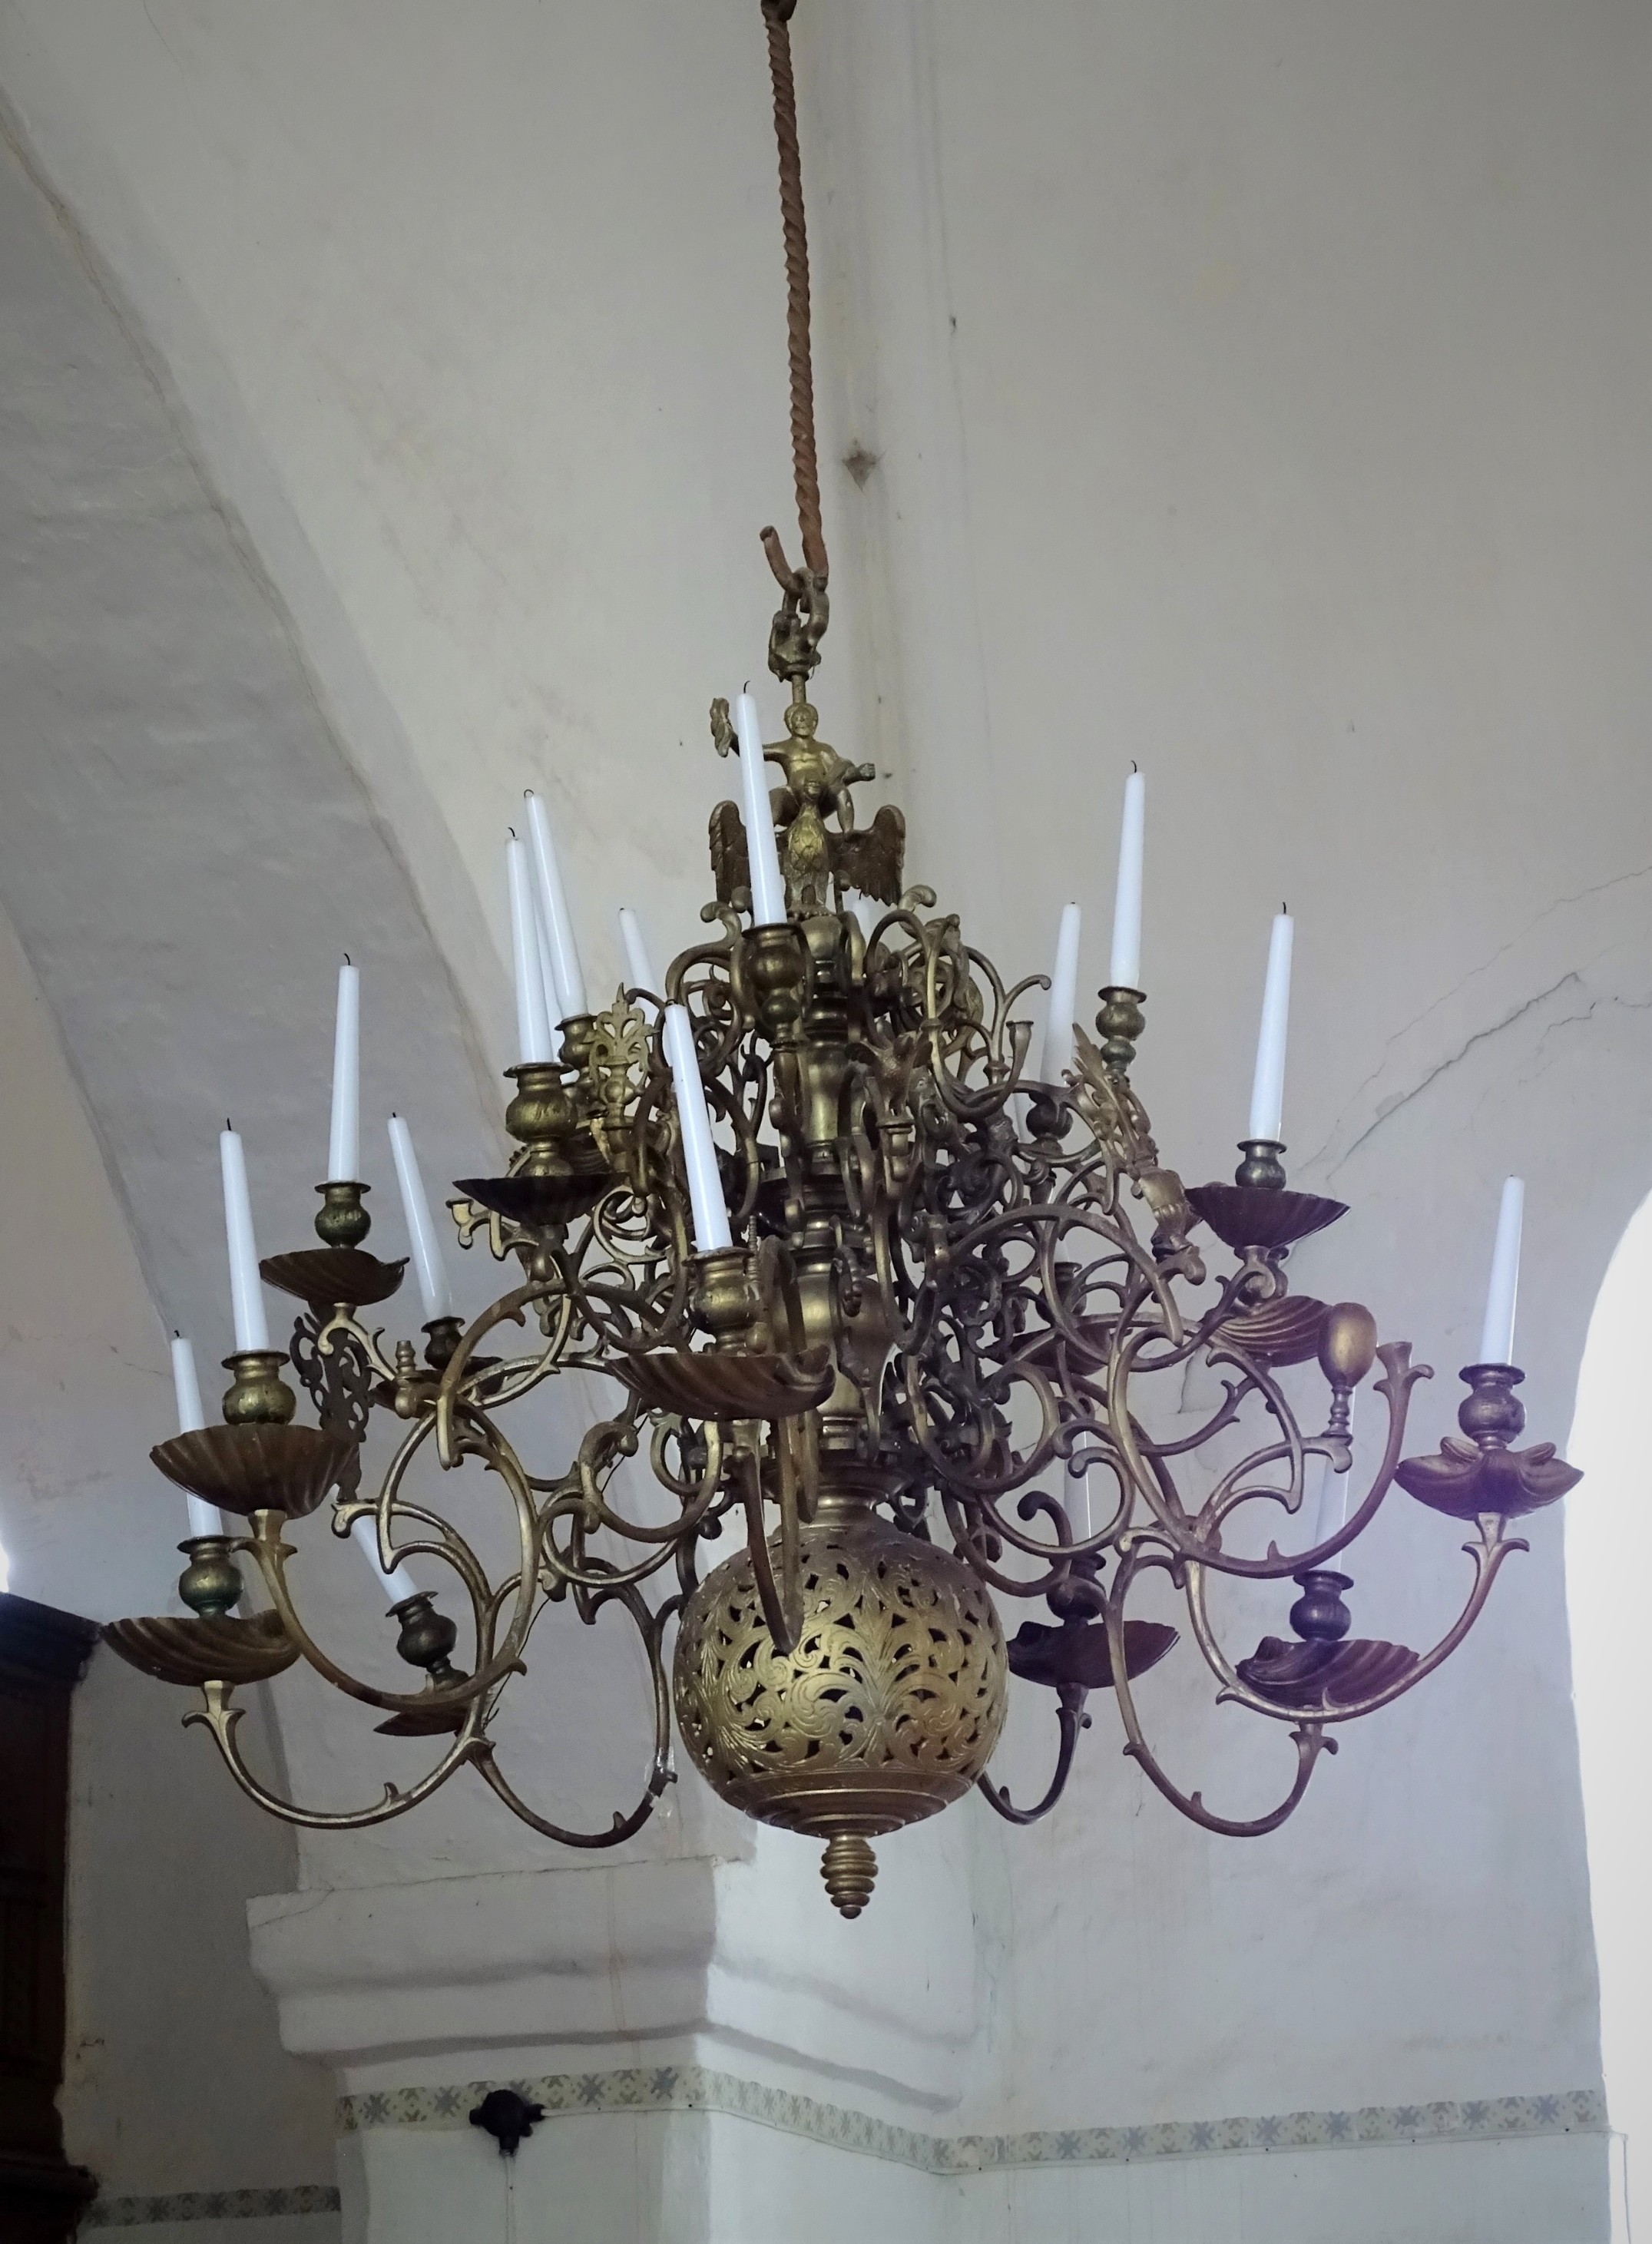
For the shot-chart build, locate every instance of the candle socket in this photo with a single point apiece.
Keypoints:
(1262, 1167)
(579, 1034)
(776, 969)
(1119, 1024)
(1492, 1414)
(725, 1298)
(342, 1220)
(441, 1337)
(1077, 1594)
(426, 1638)
(1319, 1615)
(1048, 1115)
(211, 1582)
(259, 1395)
(541, 1116)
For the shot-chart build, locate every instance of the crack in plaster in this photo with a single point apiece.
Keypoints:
(1559, 903)
(1405, 1097)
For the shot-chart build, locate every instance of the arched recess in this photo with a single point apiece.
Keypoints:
(1608, 1546)
(186, 851)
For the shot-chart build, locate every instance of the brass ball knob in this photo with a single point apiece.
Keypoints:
(1348, 1344)
(889, 1709)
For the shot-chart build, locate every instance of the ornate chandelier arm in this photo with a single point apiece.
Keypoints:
(988, 1435)
(1400, 1375)
(223, 1719)
(1309, 1737)
(569, 1565)
(452, 1404)
(581, 1490)
(968, 1531)
(1493, 1546)
(1071, 1719)
(272, 1555)
(781, 1596)
(651, 1628)
(976, 1526)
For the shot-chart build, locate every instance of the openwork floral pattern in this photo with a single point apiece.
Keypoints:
(899, 1665)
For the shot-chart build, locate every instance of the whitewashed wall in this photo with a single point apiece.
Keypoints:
(175, 2077)
(1254, 392)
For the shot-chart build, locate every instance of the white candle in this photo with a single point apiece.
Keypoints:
(396, 1586)
(1124, 968)
(344, 1143)
(204, 1518)
(547, 964)
(1497, 1335)
(1328, 1491)
(1064, 998)
(638, 965)
(1268, 1085)
(533, 1029)
(763, 854)
(191, 1417)
(700, 1158)
(569, 988)
(427, 1266)
(247, 1288)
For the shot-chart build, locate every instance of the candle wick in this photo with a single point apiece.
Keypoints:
(176, 1333)
(347, 958)
(228, 1125)
(1133, 765)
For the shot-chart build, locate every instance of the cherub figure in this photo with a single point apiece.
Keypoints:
(812, 853)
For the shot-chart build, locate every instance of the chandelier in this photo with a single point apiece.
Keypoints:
(881, 1301)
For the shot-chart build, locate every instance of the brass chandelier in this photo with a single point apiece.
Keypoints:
(876, 1298)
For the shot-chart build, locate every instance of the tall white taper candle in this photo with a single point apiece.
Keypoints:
(344, 1140)
(1330, 1511)
(1267, 1084)
(534, 1028)
(638, 965)
(204, 1518)
(1057, 1056)
(1497, 1335)
(246, 1287)
(762, 852)
(429, 1268)
(700, 1158)
(1124, 967)
(547, 964)
(397, 1584)
(570, 985)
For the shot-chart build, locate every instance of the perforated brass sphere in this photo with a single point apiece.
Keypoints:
(889, 1709)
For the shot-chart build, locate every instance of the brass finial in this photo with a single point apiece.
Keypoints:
(849, 1868)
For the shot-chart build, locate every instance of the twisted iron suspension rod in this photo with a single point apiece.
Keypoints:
(777, 15)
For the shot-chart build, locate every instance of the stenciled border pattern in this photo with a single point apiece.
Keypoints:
(695, 2088)
(209, 2205)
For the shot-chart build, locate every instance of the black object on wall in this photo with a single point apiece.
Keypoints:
(43, 1655)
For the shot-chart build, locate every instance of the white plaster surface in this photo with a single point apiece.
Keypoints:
(175, 2075)
(571, 1969)
(1459, 2192)
(1255, 391)
(684, 2177)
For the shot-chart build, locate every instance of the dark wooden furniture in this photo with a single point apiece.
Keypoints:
(43, 1654)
